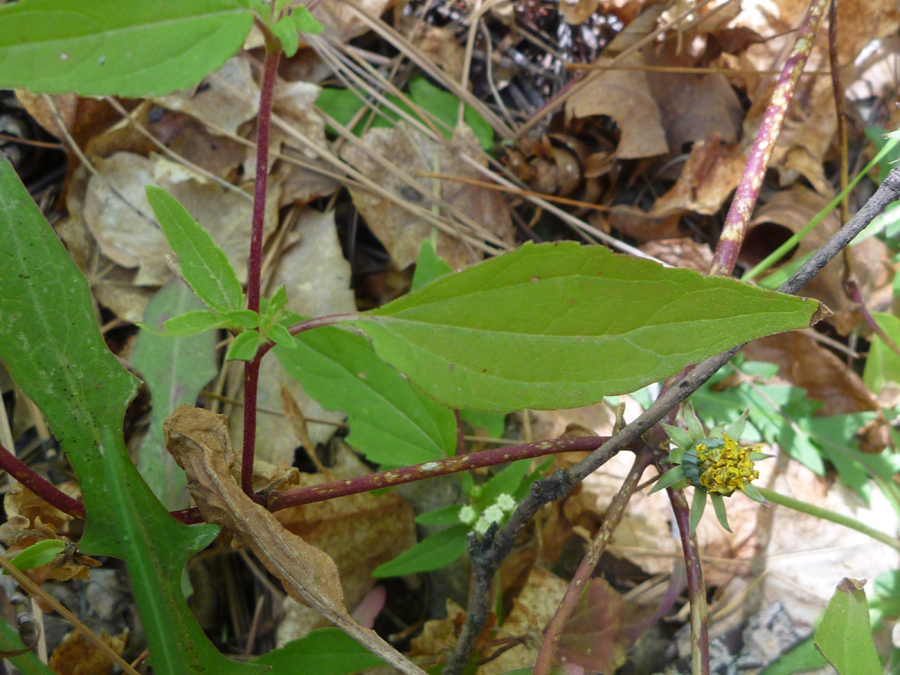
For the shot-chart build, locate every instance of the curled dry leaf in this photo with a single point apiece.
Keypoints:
(414, 153)
(76, 655)
(198, 439)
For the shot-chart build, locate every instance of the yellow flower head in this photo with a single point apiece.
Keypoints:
(726, 467)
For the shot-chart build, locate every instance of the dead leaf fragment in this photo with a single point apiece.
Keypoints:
(625, 96)
(76, 655)
(414, 153)
(307, 573)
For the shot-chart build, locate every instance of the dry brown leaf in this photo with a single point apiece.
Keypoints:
(710, 175)
(625, 96)
(439, 636)
(633, 222)
(693, 107)
(198, 440)
(681, 253)
(341, 20)
(228, 98)
(438, 44)
(359, 532)
(120, 218)
(76, 655)
(531, 613)
(577, 11)
(413, 152)
(805, 363)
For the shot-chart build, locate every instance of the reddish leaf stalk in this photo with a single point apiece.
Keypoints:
(696, 587)
(839, 105)
(51, 494)
(254, 271)
(610, 522)
(409, 474)
(747, 192)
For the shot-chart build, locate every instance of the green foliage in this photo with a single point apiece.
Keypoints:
(391, 421)
(28, 663)
(98, 47)
(204, 265)
(845, 637)
(883, 363)
(432, 553)
(52, 348)
(328, 651)
(41, 553)
(561, 325)
(343, 105)
(175, 369)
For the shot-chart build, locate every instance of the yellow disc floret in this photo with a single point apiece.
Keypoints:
(726, 468)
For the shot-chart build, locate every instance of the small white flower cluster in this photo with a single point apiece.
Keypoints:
(494, 513)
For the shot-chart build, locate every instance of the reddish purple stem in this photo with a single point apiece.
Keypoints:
(51, 494)
(254, 271)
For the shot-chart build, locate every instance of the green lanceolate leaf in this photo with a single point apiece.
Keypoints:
(391, 421)
(37, 554)
(204, 264)
(562, 325)
(328, 651)
(175, 370)
(883, 363)
(52, 347)
(98, 47)
(432, 553)
(845, 636)
(244, 346)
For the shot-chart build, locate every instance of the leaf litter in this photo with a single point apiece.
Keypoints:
(680, 142)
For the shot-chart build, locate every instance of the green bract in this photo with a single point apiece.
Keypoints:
(714, 464)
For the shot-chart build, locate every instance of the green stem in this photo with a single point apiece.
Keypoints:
(831, 516)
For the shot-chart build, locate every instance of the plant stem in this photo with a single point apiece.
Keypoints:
(696, 587)
(611, 521)
(51, 494)
(408, 474)
(747, 192)
(831, 516)
(254, 270)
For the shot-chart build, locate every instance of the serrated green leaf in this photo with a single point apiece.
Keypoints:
(175, 371)
(845, 636)
(883, 363)
(280, 335)
(391, 421)
(100, 47)
(305, 22)
(561, 325)
(41, 553)
(432, 553)
(448, 515)
(204, 265)
(244, 346)
(191, 323)
(51, 345)
(274, 305)
(240, 318)
(286, 32)
(328, 651)
(800, 658)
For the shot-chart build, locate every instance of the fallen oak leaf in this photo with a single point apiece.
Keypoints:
(200, 443)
